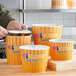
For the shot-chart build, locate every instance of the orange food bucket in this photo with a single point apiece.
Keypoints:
(71, 3)
(59, 4)
(34, 58)
(12, 47)
(61, 49)
(42, 33)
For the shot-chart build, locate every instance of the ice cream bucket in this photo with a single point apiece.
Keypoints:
(61, 49)
(12, 46)
(34, 58)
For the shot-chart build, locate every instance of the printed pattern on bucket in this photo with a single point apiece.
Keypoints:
(15, 49)
(46, 36)
(33, 57)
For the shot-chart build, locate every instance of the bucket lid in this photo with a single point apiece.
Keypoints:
(20, 32)
(34, 47)
(61, 40)
(1, 40)
(47, 25)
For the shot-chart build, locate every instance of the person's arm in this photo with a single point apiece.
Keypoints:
(5, 16)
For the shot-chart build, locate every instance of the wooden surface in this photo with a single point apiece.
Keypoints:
(11, 70)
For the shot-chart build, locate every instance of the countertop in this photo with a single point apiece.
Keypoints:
(11, 70)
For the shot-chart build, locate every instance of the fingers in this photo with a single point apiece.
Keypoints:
(20, 28)
(2, 35)
(3, 32)
(15, 25)
(24, 27)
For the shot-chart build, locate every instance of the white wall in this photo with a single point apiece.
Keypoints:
(65, 19)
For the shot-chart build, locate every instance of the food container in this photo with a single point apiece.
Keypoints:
(42, 33)
(71, 3)
(61, 49)
(13, 41)
(59, 4)
(34, 58)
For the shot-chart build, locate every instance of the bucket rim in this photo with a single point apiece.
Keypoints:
(61, 40)
(34, 47)
(19, 32)
(47, 25)
(19, 36)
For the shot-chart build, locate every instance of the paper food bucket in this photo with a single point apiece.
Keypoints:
(42, 33)
(71, 3)
(61, 49)
(12, 47)
(34, 58)
(59, 4)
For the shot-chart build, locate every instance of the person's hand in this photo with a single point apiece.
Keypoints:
(15, 25)
(3, 32)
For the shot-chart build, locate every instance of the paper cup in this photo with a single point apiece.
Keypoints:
(59, 4)
(42, 33)
(61, 49)
(34, 58)
(71, 3)
(12, 48)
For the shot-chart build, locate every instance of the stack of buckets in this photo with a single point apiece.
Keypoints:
(34, 58)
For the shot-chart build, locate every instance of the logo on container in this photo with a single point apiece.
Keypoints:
(15, 49)
(46, 36)
(25, 56)
(59, 49)
(33, 57)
